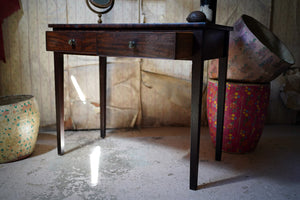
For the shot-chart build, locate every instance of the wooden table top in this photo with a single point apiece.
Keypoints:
(137, 26)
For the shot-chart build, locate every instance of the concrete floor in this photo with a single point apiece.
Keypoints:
(154, 164)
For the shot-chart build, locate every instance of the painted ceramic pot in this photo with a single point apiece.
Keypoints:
(19, 125)
(255, 54)
(245, 112)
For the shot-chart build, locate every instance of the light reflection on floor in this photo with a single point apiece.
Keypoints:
(94, 162)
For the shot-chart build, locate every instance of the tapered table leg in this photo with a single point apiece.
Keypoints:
(197, 83)
(103, 66)
(59, 100)
(221, 99)
(221, 105)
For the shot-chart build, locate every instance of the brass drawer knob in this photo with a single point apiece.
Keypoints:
(72, 42)
(132, 44)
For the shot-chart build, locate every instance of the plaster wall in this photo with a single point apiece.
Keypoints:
(141, 92)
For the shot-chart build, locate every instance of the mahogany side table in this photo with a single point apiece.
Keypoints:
(178, 41)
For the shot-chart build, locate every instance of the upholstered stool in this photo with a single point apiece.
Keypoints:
(19, 125)
(246, 106)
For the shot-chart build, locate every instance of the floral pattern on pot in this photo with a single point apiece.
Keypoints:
(255, 54)
(244, 115)
(19, 125)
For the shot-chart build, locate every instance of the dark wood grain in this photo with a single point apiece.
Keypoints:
(197, 82)
(213, 44)
(102, 71)
(191, 41)
(59, 100)
(184, 46)
(85, 42)
(221, 97)
(141, 27)
(147, 44)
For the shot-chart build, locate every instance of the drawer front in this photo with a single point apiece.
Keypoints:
(74, 42)
(137, 44)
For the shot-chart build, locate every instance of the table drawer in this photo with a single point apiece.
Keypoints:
(83, 42)
(139, 44)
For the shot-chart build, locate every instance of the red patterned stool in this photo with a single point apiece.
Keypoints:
(245, 112)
